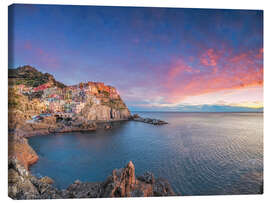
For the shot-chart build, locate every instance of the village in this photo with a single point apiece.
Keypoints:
(70, 100)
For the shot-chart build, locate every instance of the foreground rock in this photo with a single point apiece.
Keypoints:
(47, 180)
(121, 183)
(22, 185)
(19, 149)
(136, 117)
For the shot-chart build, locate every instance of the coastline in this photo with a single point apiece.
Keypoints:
(23, 152)
(22, 156)
(39, 129)
(40, 105)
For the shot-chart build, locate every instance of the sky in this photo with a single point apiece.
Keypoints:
(159, 59)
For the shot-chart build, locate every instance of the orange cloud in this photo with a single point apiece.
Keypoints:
(233, 72)
(209, 58)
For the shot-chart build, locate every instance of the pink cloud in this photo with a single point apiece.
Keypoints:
(234, 72)
(40, 56)
(180, 68)
(209, 58)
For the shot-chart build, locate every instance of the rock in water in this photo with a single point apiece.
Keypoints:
(121, 183)
(136, 117)
(108, 126)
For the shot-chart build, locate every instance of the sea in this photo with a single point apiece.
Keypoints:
(198, 153)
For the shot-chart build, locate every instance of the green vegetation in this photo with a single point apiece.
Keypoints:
(13, 99)
(106, 94)
(29, 76)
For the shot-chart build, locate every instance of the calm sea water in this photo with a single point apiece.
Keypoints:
(198, 153)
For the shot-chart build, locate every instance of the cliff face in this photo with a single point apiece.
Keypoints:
(103, 102)
(101, 112)
(106, 113)
(19, 148)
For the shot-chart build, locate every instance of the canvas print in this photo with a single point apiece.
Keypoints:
(108, 101)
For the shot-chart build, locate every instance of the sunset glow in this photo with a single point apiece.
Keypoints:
(158, 59)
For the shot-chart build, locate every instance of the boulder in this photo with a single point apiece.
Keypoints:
(121, 183)
(46, 180)
(107, 126)
(147, 177)
(135, 116)
(83, 190)
(19, 184)
(22, 185)
(162, 188)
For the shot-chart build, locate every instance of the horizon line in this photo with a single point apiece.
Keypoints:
(199, 111)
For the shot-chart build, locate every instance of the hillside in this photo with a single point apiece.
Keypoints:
(32, 93)
(29, 76)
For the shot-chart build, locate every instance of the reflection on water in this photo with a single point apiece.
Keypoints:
(199, 153)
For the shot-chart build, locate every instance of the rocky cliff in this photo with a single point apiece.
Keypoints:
(104, 113)
(121, 183)
(103, 103)
(19, 149)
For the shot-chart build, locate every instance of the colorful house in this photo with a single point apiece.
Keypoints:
(42, 87)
